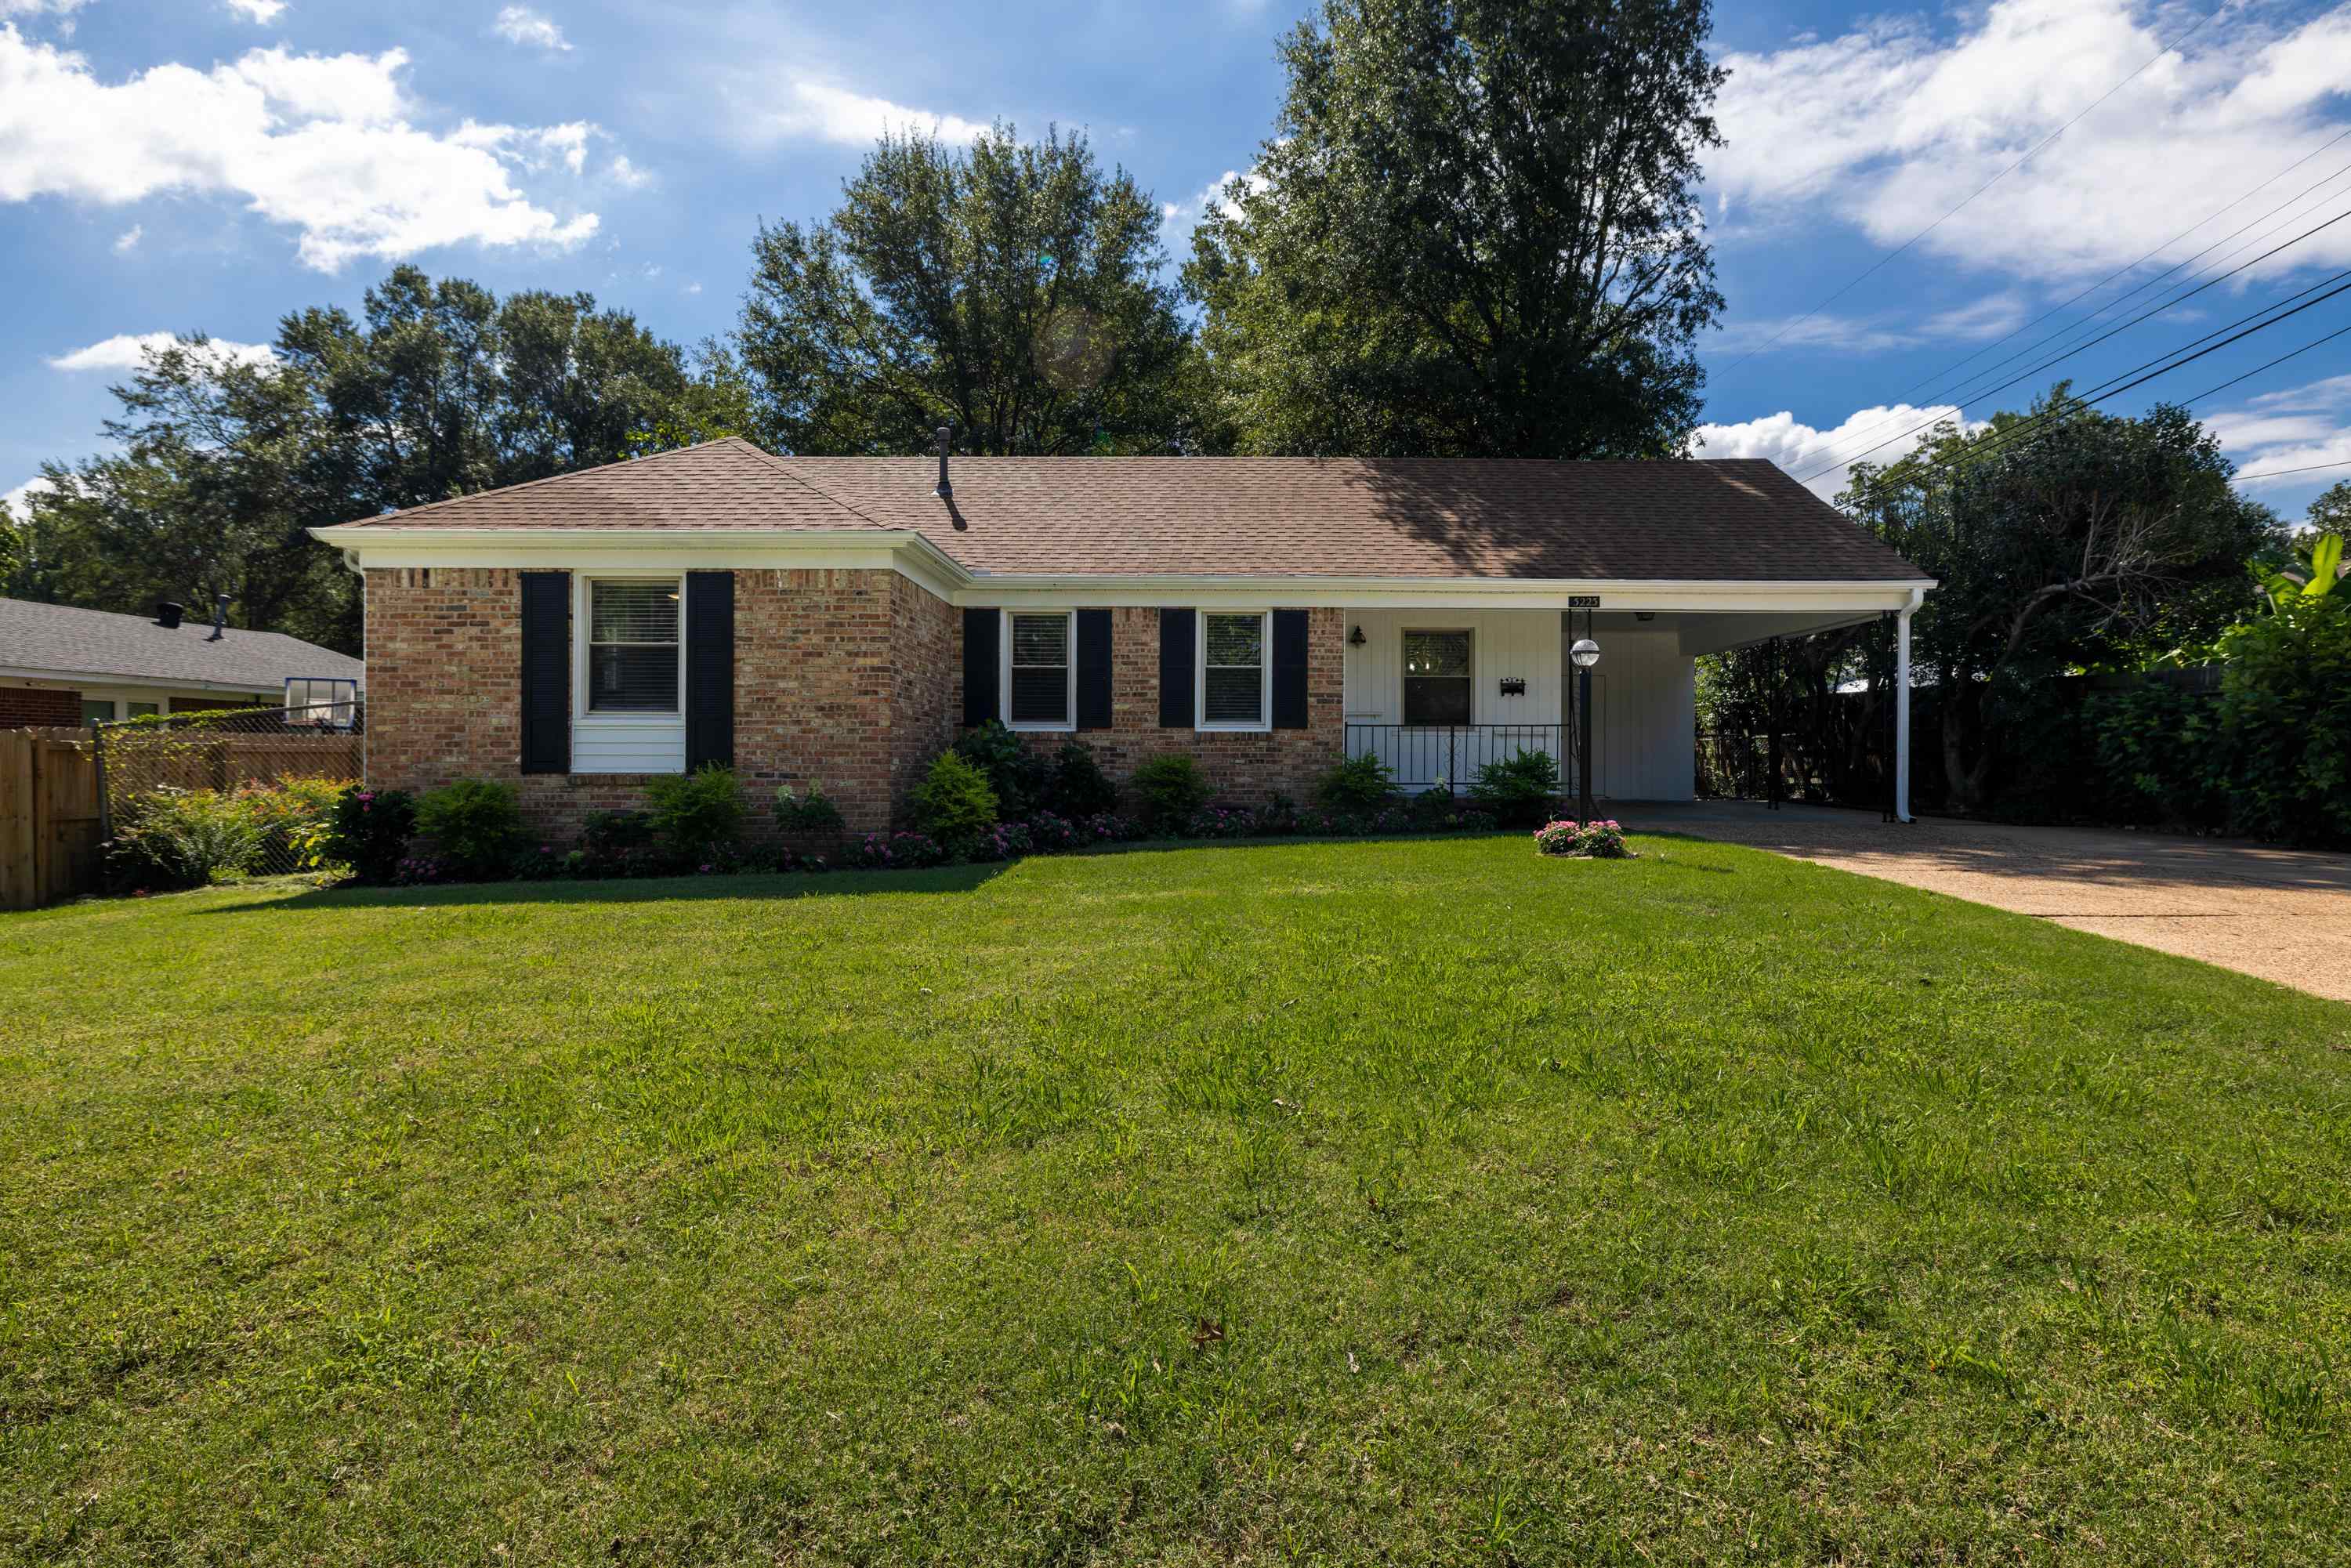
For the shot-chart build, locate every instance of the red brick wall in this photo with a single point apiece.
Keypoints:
(836, 681)
(38, 707)
(927, 691)
(1243, 766)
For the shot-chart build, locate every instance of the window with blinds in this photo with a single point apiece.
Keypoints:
(1437, 678)
(1039, 665)
(632, 646)
(1232, 670)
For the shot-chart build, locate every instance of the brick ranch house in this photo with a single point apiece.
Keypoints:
(835, 619)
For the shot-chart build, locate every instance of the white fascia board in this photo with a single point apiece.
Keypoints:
(626, 549)
(1435, 594)
(83, 678)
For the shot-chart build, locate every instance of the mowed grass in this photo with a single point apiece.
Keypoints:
(1417, 1202)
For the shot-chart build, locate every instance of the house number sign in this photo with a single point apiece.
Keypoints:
(1583, 602)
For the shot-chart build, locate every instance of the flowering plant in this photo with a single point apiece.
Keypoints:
(1595, 840)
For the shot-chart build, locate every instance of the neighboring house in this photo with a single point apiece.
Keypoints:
(836, 619)
(60, 665)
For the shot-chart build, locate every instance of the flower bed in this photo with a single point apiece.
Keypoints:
(1597, 840)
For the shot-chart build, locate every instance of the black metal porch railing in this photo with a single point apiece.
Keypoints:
(1433, 756)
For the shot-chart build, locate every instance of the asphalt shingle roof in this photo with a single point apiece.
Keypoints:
(1734, 520)
(56, 637)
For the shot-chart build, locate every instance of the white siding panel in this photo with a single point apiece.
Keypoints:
(602, 746)
(1644, 725)
(1502, 643)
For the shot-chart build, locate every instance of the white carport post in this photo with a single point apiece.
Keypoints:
(1902, 708)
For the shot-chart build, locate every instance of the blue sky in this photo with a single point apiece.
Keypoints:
(209, 164)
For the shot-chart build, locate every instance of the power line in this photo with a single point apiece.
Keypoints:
(2059, 358)
(2281, 473)
(2010, 437)
(2128, 268)
(1969, 394)
(1980, 190)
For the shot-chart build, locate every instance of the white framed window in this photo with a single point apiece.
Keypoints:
(1040, 689)
(632, 648)
(1236, 675)
(1438, 671)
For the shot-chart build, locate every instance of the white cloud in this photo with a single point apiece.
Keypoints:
(627, 176)
(1178, 219)
(691, 288)
(262, 12)
(521, 24)
(1802, 449)
(1994, 317)
(128, 240)
(325, 144)
(17, 502)
(128, 352)
(814, 110)
(2300, 427)
(34, 8)
(1890, 126)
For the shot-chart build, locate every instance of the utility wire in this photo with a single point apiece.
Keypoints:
(2059, 358)
(1962, 398)
(1980, 190)
(2280, 472)
(2033, 425)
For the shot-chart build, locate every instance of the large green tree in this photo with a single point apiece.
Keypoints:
(1474, 232)
(221, 466)
(2062, 539)
(1012, 289)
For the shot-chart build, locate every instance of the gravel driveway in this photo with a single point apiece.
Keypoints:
(2284, 915)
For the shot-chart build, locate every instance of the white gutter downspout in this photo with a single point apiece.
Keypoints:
(1902, 705)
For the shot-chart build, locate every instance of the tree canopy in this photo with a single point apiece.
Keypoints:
(438, 389)
(1474, 232)
(2061, 539)
(1010, 289)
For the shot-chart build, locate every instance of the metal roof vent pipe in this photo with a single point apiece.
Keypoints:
(220, 617)
(168, 612)
(945, 491)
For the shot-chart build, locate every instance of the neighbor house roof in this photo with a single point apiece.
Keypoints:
(55, 639)
(1734, 520)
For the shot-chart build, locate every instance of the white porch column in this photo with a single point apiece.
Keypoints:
(1902, 714)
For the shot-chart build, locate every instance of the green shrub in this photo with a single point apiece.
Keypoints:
(294, 816)
(813, 812)
(699, 811)
(1080, 788)
(369, 829)
(172, 838)
(1173, 790)
(478, 823)
(1355, 784)
(2285, 721)
(1022, 779)
(1520, 790)
(608, 833)
(2158, 757)
(955, 804)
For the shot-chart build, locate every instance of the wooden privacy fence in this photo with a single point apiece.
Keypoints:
(56, 785)
(49, 816)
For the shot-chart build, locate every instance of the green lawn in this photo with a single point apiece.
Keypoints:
(1419, 1202)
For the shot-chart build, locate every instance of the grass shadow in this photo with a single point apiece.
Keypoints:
(761, 885)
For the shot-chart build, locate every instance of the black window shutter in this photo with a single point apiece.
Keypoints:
(546, 672)
(983, 674)
(1177, 628)
(1289, 669)
(1093, 669)
(709, 669)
